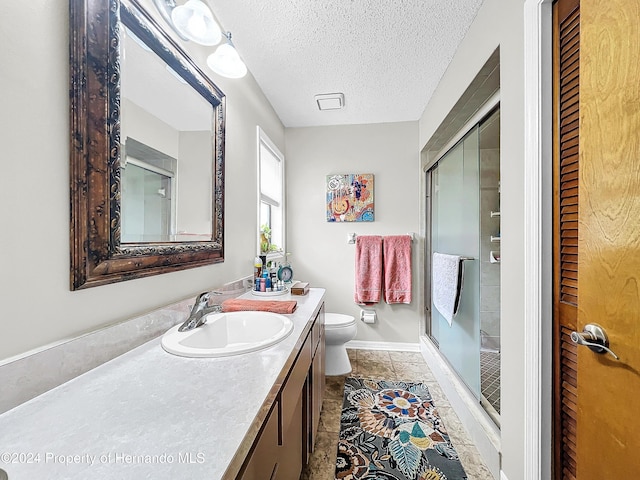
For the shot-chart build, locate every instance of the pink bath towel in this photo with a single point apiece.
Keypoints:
(368, 269)
(397, 269)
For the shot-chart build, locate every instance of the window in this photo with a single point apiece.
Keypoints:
(271, 221)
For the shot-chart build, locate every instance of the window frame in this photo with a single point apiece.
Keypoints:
(263, 140)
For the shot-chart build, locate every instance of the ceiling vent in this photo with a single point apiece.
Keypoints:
(330, 101)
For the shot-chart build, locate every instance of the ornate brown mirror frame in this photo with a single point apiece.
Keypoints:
(97, 256)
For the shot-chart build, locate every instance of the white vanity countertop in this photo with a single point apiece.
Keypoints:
(148, 414)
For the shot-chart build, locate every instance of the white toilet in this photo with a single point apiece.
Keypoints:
(339, 329)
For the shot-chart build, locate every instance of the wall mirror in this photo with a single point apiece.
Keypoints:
(147, 149)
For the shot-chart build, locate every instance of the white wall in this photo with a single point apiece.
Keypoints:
(144, 127)
(499, 23)
(195, 180)
(38, 307)
(319, 250)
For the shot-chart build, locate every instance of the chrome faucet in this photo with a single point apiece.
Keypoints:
(200, 309)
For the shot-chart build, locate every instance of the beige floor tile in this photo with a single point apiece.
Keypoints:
(439, 398)
(330, 416)
(413, 372)
(457, 434)
(373, 369)
(472, 463)
(374, 355)
(353, 354)
(322, 464)
(334, 387)
(317, 474)
(406, 357)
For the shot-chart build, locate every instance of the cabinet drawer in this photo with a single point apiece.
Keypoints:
(294, 385)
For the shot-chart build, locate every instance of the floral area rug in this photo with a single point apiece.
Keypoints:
(392, 431)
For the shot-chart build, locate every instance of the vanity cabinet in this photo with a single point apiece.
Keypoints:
(287, 436)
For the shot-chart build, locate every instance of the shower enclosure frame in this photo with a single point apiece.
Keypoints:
(482, 115)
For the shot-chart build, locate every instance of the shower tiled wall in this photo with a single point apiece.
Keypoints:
(489, 227)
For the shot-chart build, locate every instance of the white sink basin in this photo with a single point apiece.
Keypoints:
(227, 334)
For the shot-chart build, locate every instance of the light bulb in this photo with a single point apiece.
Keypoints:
(194, 21)
(197, 25)
(225, 61)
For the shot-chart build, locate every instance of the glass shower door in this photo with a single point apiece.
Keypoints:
(455, 198)
(146, 213)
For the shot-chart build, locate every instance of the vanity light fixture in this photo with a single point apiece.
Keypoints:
(226, 61)
(194, 21)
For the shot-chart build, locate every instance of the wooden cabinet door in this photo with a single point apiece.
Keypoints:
(292, 445)
(263, 462)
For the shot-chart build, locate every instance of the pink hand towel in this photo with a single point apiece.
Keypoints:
(368, 279)
(397, 269)
(273, 306)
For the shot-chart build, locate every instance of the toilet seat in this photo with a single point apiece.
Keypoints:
(338, 320)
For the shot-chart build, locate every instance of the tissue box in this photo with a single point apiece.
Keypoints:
(300, 288)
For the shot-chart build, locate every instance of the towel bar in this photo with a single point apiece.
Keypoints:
(351, 237)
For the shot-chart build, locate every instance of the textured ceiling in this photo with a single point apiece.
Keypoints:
(386, 56)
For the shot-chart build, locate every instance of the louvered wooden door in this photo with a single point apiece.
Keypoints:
(608, 441)
(566, 171)
(597, 244)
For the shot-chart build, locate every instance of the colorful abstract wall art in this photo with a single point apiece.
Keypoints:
(350, 197)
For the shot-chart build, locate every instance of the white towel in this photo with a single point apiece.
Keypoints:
(446, 278)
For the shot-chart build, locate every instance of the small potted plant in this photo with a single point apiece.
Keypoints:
(266, 246)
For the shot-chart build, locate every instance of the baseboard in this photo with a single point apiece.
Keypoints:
(389, 346)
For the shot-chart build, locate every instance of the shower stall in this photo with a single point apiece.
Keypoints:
(464, 219)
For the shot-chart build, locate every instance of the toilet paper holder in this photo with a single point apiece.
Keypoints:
(368, 316)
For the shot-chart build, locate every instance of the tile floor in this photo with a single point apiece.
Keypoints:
(490, 378)
(405, 366)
